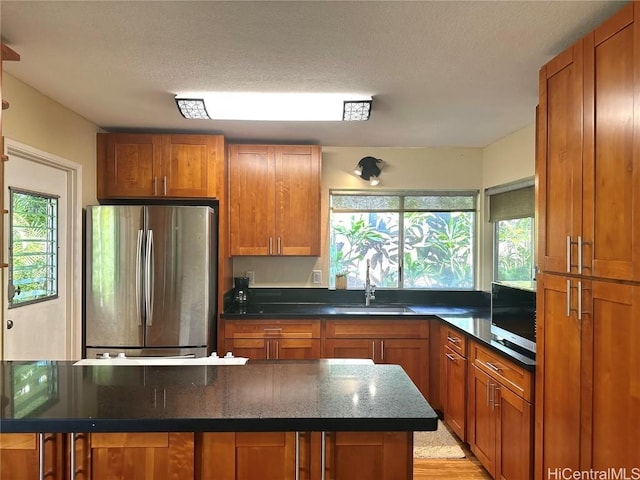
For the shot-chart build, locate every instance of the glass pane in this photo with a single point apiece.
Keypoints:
(514, 250)
(356, 237)
(33, 262)
(365, 202)
(440, 202)
(438, 250)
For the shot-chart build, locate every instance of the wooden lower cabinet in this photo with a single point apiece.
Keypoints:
(98, 456)
(500, 427)
(135, 456)
(399, 342)
(20, 454)
(455, 391)
(275, 456)
(273, 339)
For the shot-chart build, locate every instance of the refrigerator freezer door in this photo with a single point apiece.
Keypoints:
(181, 276)
(114, 315)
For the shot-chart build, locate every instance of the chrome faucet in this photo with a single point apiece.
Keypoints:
(369, 288)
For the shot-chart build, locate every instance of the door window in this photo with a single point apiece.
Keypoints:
(33, 247)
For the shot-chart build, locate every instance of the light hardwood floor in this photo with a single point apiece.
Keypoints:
(468, 468)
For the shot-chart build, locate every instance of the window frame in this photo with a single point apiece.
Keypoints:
(402, 210)
(54, 241)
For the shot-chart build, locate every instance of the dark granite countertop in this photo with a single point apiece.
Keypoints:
(319, 395)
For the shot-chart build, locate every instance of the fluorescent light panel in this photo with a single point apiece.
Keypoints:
(274, 106)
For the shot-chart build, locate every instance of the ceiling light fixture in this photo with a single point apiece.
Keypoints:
(192, 108)
(354, 111)
(369, 168)
(274, 106)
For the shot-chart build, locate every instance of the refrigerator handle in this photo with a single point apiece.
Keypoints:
(138, 277)
(149, 278)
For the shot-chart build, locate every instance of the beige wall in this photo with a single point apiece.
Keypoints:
(507, 160)
(415, 168)
(39, 122)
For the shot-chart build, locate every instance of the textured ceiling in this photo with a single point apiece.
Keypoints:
(442, 73)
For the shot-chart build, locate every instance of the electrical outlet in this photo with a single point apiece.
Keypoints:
(317, 276)
(252, 276)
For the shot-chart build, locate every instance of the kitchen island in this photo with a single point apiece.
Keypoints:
(281, 419)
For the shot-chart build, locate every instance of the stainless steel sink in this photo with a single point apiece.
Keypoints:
(363, 309)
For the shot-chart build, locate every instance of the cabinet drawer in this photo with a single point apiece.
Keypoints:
(455, 340)
(512, 376)
(272, 328)
(377, 328)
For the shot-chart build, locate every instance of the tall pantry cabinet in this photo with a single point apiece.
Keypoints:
(588, 206)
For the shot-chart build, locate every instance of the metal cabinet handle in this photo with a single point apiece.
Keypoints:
(382, 350)
(279, 246)
(450, 357)
(492, 391)
(155, 186)
(373, 346)
(164, 185)
(272, 330)
(277, 350)
(297, 473)
(323, 454)
(270, 245)
(493, 367)
(579, 300)
(268, 343)
(488, 393)
(568, 298)
(41, 456)
(568, 254)
(579, 254)
(72, 456)
(453, 339)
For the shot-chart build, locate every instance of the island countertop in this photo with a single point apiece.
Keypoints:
(263, 396)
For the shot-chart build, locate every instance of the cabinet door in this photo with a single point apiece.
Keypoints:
(455, 391)
(142, 456)
(297, 348)
(297, 200)
(252, 200)
(255, 348)
(20, 453)
(368, 455)
(349, 348)
(250, 456)
(481, 432)
(559, 159)
(189, 165)
(411, 355)
(612, 148)
(514, 454)
(558, 375)
(614, 317)
(128, 165)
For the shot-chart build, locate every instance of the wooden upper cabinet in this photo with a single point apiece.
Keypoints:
(153, 166)
(559, 162)
(589, 154)
(611, 217)
(274, 200)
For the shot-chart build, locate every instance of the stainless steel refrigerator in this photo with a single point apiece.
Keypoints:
(150, 280)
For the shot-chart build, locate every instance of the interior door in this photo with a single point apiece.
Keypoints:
(36, 330)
